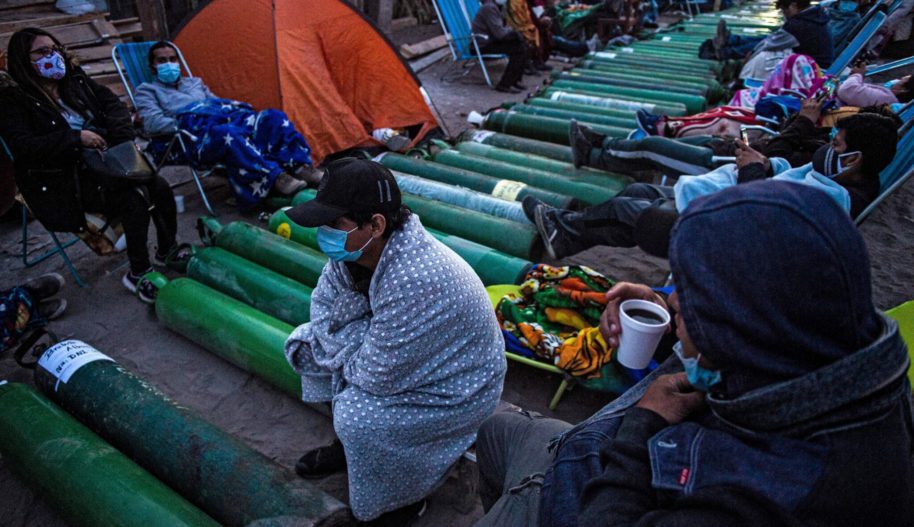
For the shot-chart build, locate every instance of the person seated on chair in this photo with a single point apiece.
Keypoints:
(494, 37)
(261, 150)
(853, 91)
(797, 140)
(772, 421)
(402, 339)
(847, 169)
(521, 17)
(55, 113)
(809, 25)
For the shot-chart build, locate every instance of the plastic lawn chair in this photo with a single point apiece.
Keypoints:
(59, 248)
(496, 292)
(131, 60)
(857, 45)
(456, 19)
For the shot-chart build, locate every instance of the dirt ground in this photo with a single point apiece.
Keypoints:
(106, 316)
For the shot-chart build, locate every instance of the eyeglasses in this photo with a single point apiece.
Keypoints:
(46, 51)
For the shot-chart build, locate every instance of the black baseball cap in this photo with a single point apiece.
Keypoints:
(349, 185)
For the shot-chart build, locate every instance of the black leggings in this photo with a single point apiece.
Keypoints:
(134, 210)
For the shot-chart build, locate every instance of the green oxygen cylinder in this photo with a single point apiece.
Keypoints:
(85, 479)
(540, 127)
(587, 118)
(694, 103)
(492, 266)
(518, 144)
(499, 188)
(506, 236)
(240, 334)
(590, 188)
(268, 291)
(232, 482)
(535, 162)
(264, 248)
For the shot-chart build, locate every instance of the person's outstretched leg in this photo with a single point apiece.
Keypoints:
(513, 456)
(276, 136)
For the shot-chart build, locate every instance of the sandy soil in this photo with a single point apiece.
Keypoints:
(104, 315)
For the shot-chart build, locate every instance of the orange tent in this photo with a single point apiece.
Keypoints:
(329, 68)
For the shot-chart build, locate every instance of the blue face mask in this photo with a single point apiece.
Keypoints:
(891, 83)
(168, 72)
(332, 242)
(701, 379)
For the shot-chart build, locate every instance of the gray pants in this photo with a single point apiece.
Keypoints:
(513, 458)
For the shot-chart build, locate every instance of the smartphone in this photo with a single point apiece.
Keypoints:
(828, 89)
(744, 135)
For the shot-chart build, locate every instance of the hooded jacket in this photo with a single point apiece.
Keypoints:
(810, 28)
(811, 423)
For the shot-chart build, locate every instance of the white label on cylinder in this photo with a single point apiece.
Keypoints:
(605, 55)
(627, 50)
(666, 39)
(507, 189)
(62, 360)
(479, 137)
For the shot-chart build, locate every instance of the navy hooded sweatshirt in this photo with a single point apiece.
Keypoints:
(810, 28)
(811, 423)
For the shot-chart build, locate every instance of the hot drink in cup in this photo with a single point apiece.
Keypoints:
(643, 325)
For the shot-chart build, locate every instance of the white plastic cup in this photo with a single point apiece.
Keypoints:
(639, 338)
(179, 203)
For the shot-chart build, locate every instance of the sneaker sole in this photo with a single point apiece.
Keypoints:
(540, 227)
(133, 289)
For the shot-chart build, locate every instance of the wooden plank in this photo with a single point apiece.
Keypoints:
(14, 4)
(93, 54)
(420, 64)
(102, 67)
(401, 23)
(152, 18)
(410, 51)
(13, 24)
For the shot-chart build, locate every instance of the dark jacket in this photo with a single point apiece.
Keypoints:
(46, 150)
(810, 27)
(490, 22)
(811, 424)
(797, 142)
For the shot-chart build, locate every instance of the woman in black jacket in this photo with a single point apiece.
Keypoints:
(54, 113)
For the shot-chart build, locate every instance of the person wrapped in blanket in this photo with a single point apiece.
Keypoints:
(847, 169)
(261, 151)
(555, 318)
(29, 306)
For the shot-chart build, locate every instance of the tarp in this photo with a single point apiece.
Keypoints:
(320, 61)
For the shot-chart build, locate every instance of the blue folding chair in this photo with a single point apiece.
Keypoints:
(898, 172)
(131, 59)
(59, 248)
(857, 44)
(456, 19)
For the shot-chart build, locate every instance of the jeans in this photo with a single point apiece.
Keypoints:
(613, 221)
(513, 455)
(516, 51)
(130, 206)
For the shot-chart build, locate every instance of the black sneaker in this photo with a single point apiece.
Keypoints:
(554, 239)
(175, 258)
(529, 206)
(45, 286)
(507, 89)
(142, 288)
(322, 461)
(52, 308)
(580, 146)
(402, 517)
